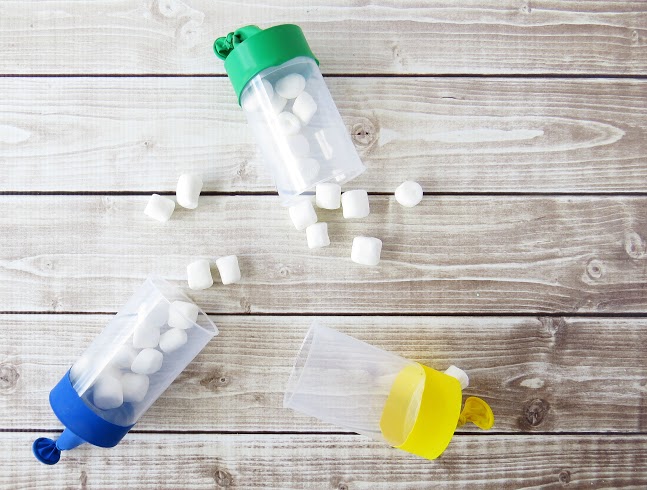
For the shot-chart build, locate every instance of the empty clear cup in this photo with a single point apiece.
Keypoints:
(351, 384)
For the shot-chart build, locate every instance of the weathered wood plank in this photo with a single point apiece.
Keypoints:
(481, 36)
(539, 374)
(448, 255)
(452, 135)
(337, 462)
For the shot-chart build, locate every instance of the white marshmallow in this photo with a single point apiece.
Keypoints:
(160, 208)
(182, 314)
(328, 195)
(288, 123)
(83, 365)
(107, 393)
(290, 86)
(173, 339)
(229, 269)
(124, 356)
(317, 235)
(308, 168)
(145, 336)
(135, 387)
(255, 95)
(199, 274)
(355, 204)
(278, 103)
(304, 107)
(303, 214)
(148, 361)
(299, 145)
(188, 190)
(153, 314)
(366, 250)
(409, 193)
(459, 374)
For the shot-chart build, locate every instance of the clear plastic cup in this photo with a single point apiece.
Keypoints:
(111, 355)
(299, 153)
(346, 382)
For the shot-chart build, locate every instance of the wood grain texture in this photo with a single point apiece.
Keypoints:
(389, 36)
(539, 374)
(452, 135)
(447, 255)
(160, 461)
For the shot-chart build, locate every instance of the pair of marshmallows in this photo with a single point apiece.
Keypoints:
(187, 193)
(199, 272)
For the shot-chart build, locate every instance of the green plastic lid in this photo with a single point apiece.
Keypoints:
(250, 50)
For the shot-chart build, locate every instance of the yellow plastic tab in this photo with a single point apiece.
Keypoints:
(436, 417)
(478, 412)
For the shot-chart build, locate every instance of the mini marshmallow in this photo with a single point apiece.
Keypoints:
(145, 336)
(328, 195)
(173, 339)
(199, 274)
(299, 145)
(303, 214)
(153, 315)
(366, 250)
(409, 193)
(255, 95)
(124, 356)
(308, 168)
(135, 387)
(82, 366)
(182, 314)
(188, 190)
(459, 374)
(278, 103)
(288, 123)
(355, 204)
(304, 107)
(229, 269)
(290, 86)
(317, 235)
(160, 208)
(148, 361)
(107, 393)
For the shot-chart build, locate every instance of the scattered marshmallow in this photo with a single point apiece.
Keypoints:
(290, 86)
(299, 145)
(145, 336)
(317, 235)
(124, 356)
(229, 269)
(304, 107)
(459, 374)
(278, 103)
(148, 361)
(303, 214)
(328, 195)
(409, 193)
(154, 315)
(182, 314)
(135, 387)
(173, 339)
(288, 123)
(160, 208)
(188, 190)
(199, 274)
(107, 393)
(255, 95)
(308, 168)
(366, 250)
(355, 204)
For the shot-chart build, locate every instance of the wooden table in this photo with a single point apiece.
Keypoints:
(525, 264)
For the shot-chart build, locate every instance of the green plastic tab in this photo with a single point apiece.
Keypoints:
(250, 50)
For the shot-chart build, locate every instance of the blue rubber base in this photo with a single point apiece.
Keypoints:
(46, 451)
